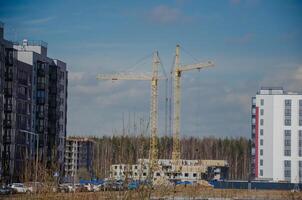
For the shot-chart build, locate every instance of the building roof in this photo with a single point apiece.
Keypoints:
(79, 139)
(275, 91)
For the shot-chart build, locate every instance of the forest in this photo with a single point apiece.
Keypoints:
(127, 149)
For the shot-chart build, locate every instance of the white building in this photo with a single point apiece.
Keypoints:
(277, 135)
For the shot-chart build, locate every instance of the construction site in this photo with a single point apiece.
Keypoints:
(161, 171)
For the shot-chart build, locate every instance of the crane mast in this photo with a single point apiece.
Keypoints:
(154, 114)
(178, 69)
(176, 109)
(154, 77)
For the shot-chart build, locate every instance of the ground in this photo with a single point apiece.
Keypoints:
(188, 192)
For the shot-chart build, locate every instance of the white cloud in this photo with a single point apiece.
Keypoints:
(39, 21)
(165, 15)
(76, 76)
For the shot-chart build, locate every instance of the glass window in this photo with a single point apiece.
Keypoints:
(261, 142)
(300, 143)
(261, 172)
(261, 112)
(261, 152)
(288, 102)
(287, 142)
(261, 162)
(261, 122)
(287, 170)
(261, 131)
(262, 102)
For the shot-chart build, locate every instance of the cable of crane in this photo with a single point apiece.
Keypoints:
(188, 53)
(162, 67)
(130, 68)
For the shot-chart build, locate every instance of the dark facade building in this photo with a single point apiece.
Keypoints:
(2, 64)
(34, 90)
(57, 110)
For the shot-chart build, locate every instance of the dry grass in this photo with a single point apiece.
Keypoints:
(193, 192)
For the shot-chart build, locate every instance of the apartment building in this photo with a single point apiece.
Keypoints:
(277, 135)
(79, 153)
(34, 109)
(2, 64)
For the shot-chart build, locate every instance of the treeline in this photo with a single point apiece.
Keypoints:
(127, 149)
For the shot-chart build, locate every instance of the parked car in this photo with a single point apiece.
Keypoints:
(5, 190)
(89, 187)
(21, 188)
(65, 187)
(118, 185)
(133, 185)
(37, 187)
(99, 187)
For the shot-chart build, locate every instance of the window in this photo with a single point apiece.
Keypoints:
(261, 162)
(144, 174)
(262, 102)
(300, 171)
(194, 175)
(261, 112)
(287, 112)
(157, 174)
(287, 122)
(261, 172)
(261, 152)
(186, 174)
(261, 122)
(261, 142)
(288, 102)
(261, 131)
(287, 170)
(300, 143)
(300, 112)
(287, 142)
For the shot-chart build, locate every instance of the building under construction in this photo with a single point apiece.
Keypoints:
(190, 170)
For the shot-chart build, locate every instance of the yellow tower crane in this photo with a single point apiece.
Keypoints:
(177, 71)
(153, 152)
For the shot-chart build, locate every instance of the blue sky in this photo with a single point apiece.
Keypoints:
(253, 43)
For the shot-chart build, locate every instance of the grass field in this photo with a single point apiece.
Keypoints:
(189, 192)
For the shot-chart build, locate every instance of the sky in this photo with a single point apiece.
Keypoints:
(253, 43)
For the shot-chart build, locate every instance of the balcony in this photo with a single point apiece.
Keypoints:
(41, 72)
(7, 123)
(8, 107)
(9, 61)
(40, 114)
(8, 76)
(8, 91)
(41, 86)
(23, 81)
(40, 100)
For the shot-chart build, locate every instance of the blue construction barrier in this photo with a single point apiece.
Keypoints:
(92, 182)
(260, 185)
